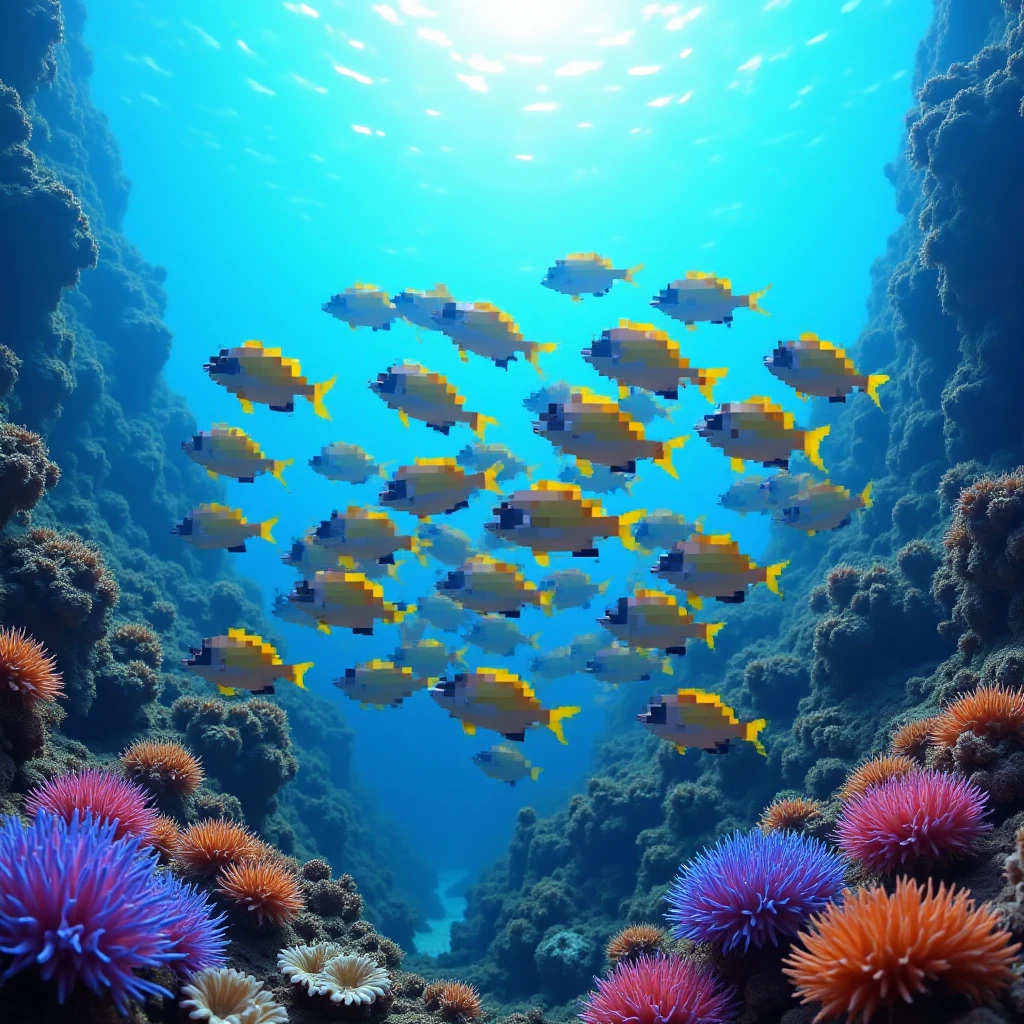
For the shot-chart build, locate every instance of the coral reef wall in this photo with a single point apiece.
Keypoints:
(884, 621)
(90, 462)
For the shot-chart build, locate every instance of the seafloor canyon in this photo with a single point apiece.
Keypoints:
(900, 644)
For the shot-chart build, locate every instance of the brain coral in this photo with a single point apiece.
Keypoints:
(878, 950)
(753, 888)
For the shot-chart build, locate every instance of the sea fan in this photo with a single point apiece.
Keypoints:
(106, 797)
(753, 888)
(925, 817)
(659, 990)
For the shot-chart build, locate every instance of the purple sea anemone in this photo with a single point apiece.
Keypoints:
(79, 905)
(925, 817)
(659, 990)
(753, 888)
(107, 797)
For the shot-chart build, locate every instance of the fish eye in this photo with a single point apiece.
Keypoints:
(601, 348)
(657, 714)
(714, 422)
(782, 357)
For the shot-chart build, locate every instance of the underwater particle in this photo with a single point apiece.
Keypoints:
(27, 669)
(926, 817)
(753, 888)
(912, 739)
(105, 796)
(875, 772)
(873, 950)
(354, 979)
(990, 711)
(586, 273)
(263, 887)
(505, 764)
(163, 767)
(82, 906)
(218, 995)
(209, 846)
(301, 965)
(485, 330)
(454, 1000)
(165, 836)
(213, 527)
(812, 366)
(634, 941)
(197, 935)
(241, 660)
(692, 719)
(660, 990)
(794, 814)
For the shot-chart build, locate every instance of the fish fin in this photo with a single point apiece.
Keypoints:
(666, 666)
(631, 273)
(322, 627)
(347, 562)
(737, 465)
(715, 375)
(402, 613)
(691, 327)
(623, 391)
(319, 390)
(602, 587)
(210, 473)
(555, 718)
(491, 478)
(265, 527)
(585, 468)
(751, 731)
(576, 298)
(709, 636)
(535, 351)
(469, 728)
(752, 301)
(865, 495)
(542, 558)
(625, 532)
(463, 355)
(535, 640)
(403, 416)
(481, 423)
(535, 773)
(227, 691)
(667, 449)
(298, 671)
(875, 381)
(247, 406)
(680, 749)
(695, 601)
(772, 574)
(277, 468)
(812, 444)
(547, 599)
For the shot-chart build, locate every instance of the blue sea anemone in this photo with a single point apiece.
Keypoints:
(753, 888)
(79, 905)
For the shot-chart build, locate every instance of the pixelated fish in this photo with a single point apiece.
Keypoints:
(636, 355)
(572, 588)
(661, 529)
(654, 620)
(485, 585)
(284, 610)
(505, 764)
(779, 489)
(379, 684)
(427, 659)
(619, 663)
(494, 634)
(693, 719)
(228, 451)
(554, 517)
(216, 526)
(493, 698)
(431, 487)
(420, 308)
(345, 463)
(479, 457)
(362, 534)
(746, 495)
(422, 395)
(242, 661)
(704, 298)
(262, 376)
(812, 366)
(598, 480)
(558, 663)
(448, 545)
(824, 506)
(593, 428)
(586, 273)
(551, 394)
(485, 330)
(442, 613)
(761, 431)
(712, 565)
(362, 305)
(644, 407)
(348, 600)
(308, 556)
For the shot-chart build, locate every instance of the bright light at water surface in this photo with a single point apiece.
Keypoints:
(523, 21)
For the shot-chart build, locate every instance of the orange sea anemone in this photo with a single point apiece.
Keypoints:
(264, 887)
(913, 739)
(875, 950)
(165, 836)
(875, 772)
(636, 940)
(988, 711)
(26, 669)
(454, 1000)
(212, 845)
(163, 767)
(793, 814)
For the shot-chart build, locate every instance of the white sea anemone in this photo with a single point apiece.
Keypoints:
(352, 979)
(222, 995)
(302, 965)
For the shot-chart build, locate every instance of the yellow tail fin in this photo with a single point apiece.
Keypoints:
(812, 444)
(319, 390)
(753, 297)
(625, 528)
(278, 467)
(322, 627)
(536, 350)
(667, 449)
(865, 495)
(585, 468)
(555, 718)
(227, 691)
(298, 671)
(771, 577)
(666, 666)
(695, 601)
(632, 272)
(535, 773)
(715, 375)
(491, 478)
(347, 562)
(401, 613)
(709, 636)
(481, 423)
(547, 599)
(269, 524)
(751, 731)
(875, 381)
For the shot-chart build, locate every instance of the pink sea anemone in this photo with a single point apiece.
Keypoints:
(921, 818)
(660, 990)
(109, 798)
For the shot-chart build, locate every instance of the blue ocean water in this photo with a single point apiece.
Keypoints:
(280, 152)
